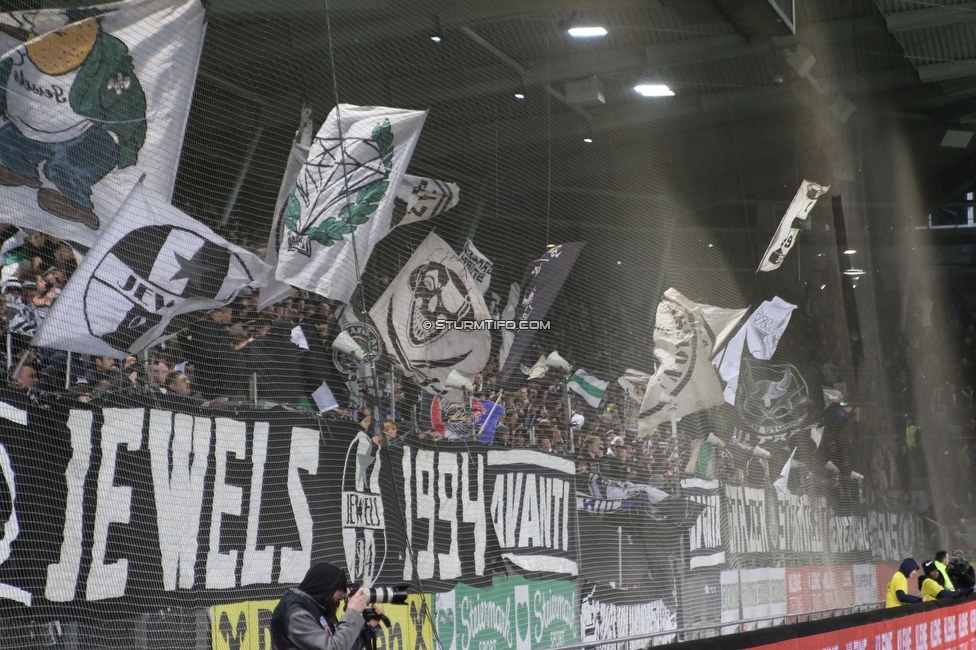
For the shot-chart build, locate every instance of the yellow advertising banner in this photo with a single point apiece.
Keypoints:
(242, 626)
(411, 625)
(247, 626)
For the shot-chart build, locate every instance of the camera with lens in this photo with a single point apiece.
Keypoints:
(394, 595)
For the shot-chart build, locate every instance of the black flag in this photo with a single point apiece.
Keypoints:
(542, 282)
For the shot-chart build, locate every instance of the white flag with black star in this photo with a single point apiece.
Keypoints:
(143, 279)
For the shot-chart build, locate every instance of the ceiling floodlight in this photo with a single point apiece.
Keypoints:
(653, 90)
(519, 96)
(854, 273)
(588, 140)
(592, 31)
(849, 251)
(436, 39)
(550, 245)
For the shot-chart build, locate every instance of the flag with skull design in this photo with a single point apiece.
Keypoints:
(421, 318)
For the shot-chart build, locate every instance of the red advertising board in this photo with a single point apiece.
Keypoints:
(945, 628)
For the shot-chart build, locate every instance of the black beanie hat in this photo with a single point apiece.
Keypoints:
(322, 581)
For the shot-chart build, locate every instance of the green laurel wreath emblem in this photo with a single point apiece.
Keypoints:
(352, 215)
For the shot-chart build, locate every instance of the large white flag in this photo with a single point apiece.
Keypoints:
(789, 228)
(91, 100)
(346, 191)
(139, 283)
(433, 287)
(286, 207)
(479, 266)
(761, 333)
(634, 383)
(683, 344)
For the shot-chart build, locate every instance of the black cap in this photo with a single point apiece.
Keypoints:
(929, 567)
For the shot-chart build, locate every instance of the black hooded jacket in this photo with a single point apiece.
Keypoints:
(303, 621)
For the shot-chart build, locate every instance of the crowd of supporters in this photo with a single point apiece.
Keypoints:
(283, 354)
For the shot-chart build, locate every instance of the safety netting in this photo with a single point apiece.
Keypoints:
(427, 291)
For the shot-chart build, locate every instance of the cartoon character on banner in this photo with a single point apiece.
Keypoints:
(73, 110)
(363, 520)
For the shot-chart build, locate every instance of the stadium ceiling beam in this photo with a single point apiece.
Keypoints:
(519, 69)
(720, 106)
(627, 61)
(449, 9)
(946, 70)
(930, 16)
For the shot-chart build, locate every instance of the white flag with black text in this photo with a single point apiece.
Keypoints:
(433, 287)
(143, 279)
(789, 227)
(479, 266)
(759, 335)
(425, 198)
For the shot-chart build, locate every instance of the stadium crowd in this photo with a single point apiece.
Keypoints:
(283, 354)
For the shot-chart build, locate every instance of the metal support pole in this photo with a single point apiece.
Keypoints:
(567, 406)
(252, 147)
(620, 557)
(392, 396)
(67, 372)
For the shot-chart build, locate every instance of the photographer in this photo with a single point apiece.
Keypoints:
(305, 618)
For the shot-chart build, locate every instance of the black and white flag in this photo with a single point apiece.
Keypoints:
(789, 227)
(286, 207)
(686, 334)
(542, 282)
(478, 266)
(508, 313)
(144, 276)
(424, 198)
(433, 288)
